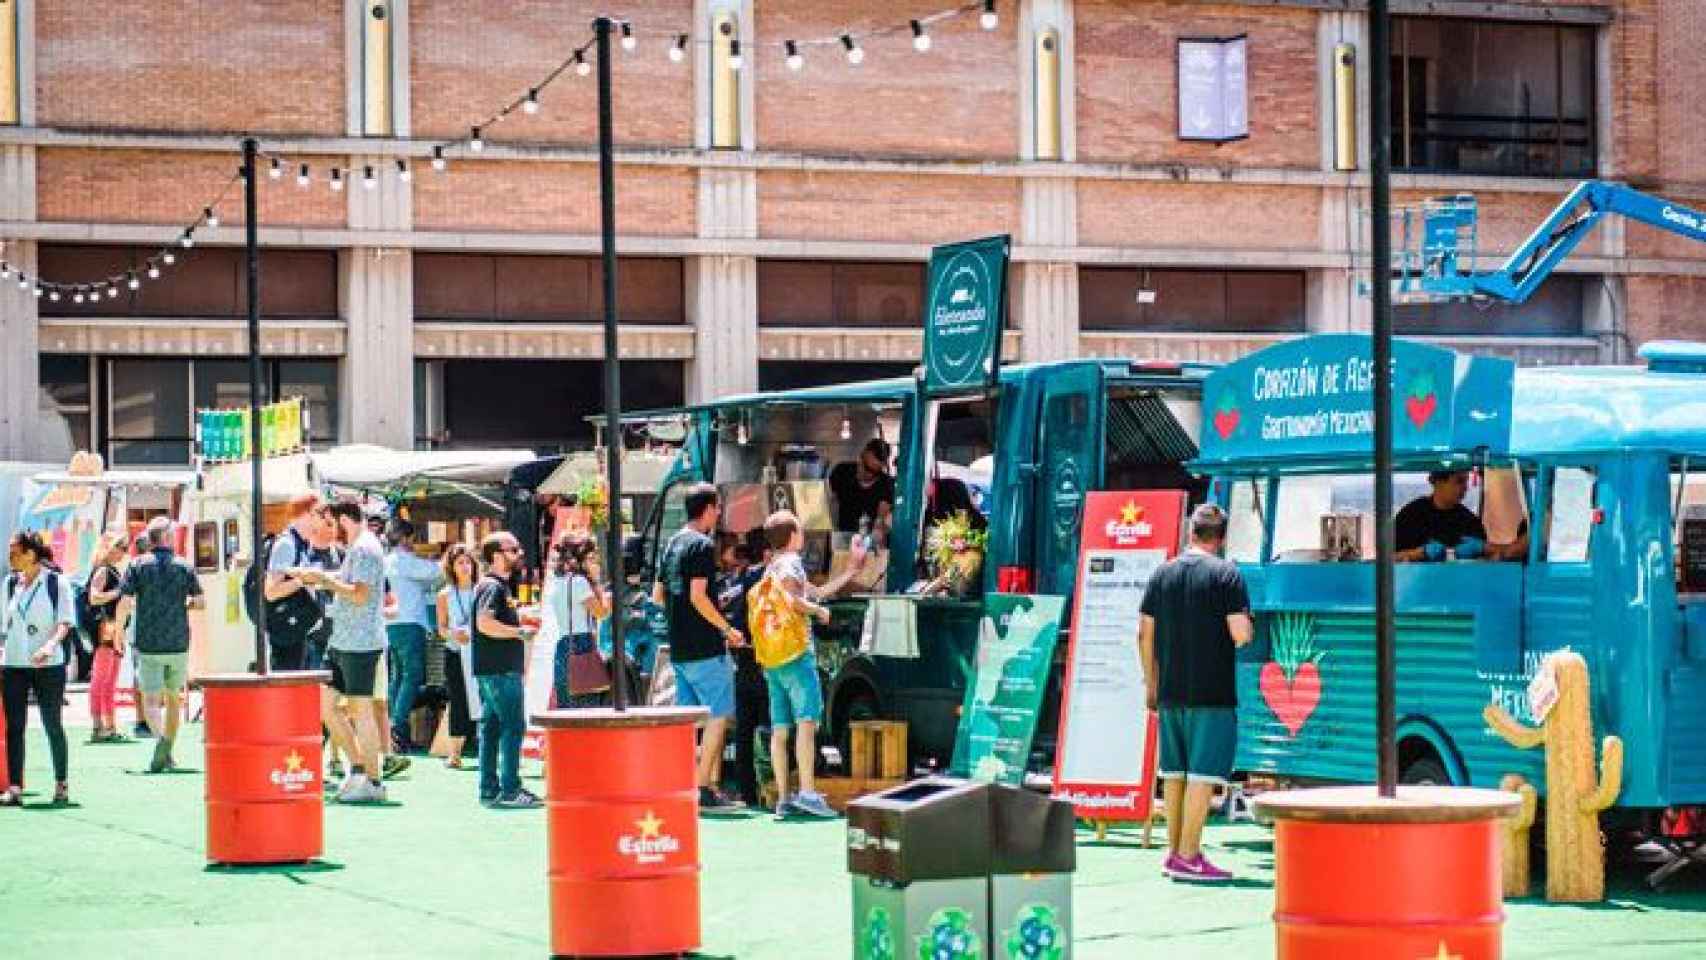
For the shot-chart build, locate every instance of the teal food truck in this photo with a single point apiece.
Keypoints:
(1026, 451)
(1587, 480)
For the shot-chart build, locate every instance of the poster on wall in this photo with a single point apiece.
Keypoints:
(1106, 757)
(1015, 649)
(1213, 89)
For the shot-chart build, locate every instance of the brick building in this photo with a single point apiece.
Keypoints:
(774, 222)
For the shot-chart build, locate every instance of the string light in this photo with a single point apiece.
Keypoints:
(530, 106)
(989, 20)
(855, 54)
(582, 68)
(337, 180)
(211, 218)
(169, 257)
(112, 292)
(368, 180)
(736, 61)
(678, 52)
(403, 173)
(302, 176)
(36, 291)
(132, 281)
(188, 239)
(438, 159)
(920, 39)
(474, 142)
(795, 61)
(78, 296)
(628, 41)
(153, 270)
(53, 295)
(276, 170)
(846, 428)
(5, 270)
(23, 282)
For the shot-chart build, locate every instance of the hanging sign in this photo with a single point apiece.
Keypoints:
(225, 435)
(965, 308)
(1106, 757)
(1004, 694)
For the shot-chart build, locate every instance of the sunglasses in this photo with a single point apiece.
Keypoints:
(510, 550)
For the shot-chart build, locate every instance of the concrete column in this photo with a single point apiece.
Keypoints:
(1045, 302)
(376, 298)
(20, 373)
(722, 303)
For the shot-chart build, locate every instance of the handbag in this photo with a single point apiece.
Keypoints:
(588, 673)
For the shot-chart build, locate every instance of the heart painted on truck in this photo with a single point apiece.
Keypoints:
(1226, 415)
(1294, 699)
(1420, 400)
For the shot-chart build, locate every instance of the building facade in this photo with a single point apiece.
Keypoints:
(774, 222)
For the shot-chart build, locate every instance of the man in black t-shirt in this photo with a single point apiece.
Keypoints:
(1429, 526)
(699, 634)
(499, 653)
(1196, 614)
(864, 491)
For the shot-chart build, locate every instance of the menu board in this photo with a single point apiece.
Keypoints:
(1015, 650)
(1107, 734)
(1694, 555)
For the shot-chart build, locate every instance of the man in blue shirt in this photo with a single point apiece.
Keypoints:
(413, 580)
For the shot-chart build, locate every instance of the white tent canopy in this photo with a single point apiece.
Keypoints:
(642, 472)
(367, 466)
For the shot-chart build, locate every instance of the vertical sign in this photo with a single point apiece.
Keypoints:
(1213, 89)
(965, 308)
(1015, 649)
(1106, 746)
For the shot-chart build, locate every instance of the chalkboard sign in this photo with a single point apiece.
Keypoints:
(1694, 556)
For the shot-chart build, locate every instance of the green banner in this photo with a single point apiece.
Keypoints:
(965, 309)
(1015, 649)
(225, 434)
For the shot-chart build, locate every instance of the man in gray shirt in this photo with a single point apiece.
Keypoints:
(159, 588)
(358, 641)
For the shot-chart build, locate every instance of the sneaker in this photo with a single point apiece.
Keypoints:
(488, 799)
(814, 805)
(375, 793)
(711, 801)
(162, 757)
(392, 766)
(1200, 871)
(354, 787)
(785, 808)
(1174, 864)
(519, 800)
(141, 732)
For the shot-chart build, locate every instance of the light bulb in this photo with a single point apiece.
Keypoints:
(474, 142)
(855, 54)
(795, 61)
(628, 40)
(211, 218)
(153, 271)
(276, 170)
(337, 179)
(23, 282)
(53, 295)
(36, 290)
(846, 429)
(920, 39)
(741, 436)
(530, 106)
(112, 292)
(187, 240)
(302, 177)
(403, 171)
(368, 180)
(989, 20)
(438, 159)
(132, 282)
(5, 270)
(736, 61)
(77, 297)
(678, 52)
(582, 68)
(169, 257)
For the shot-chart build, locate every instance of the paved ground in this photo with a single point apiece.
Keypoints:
(121, 873)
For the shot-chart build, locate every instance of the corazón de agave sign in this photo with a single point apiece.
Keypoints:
(965, 308)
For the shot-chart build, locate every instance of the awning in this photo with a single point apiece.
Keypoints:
(366, 467)
(642, 472)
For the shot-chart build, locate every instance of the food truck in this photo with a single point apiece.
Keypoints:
(1043, 435)
(1589, 477)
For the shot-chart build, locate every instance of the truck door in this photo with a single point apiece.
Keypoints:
(1069, 463)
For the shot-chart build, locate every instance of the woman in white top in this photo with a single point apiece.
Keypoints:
(38, 615)
(577, 602)
(455, 614)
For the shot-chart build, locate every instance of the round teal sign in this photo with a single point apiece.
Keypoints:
(963, 319)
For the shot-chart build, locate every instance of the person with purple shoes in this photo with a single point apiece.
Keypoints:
(1196, 614)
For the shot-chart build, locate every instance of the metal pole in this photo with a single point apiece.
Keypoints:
(1380, 189)
(612, 370)
(251, 243)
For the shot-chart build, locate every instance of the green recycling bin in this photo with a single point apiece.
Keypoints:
(948, 869)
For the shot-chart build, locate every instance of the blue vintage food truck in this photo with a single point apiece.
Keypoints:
(1587, 481)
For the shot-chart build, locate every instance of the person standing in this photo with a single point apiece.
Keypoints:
(700, 636)
(413, 580)
(159, 587)
(1196, 614)
(500, 653)
(864, 491)
(358, 639)
(38, 615)
(295, 615)
(577, 602)
(105, 592)
(742, 567)
(455, 622)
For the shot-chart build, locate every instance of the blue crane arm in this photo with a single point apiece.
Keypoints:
(1570, 223)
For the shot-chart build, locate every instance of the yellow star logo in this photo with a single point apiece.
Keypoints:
(1130, 513)
(650, 826)
(1443, 954)
(293, 763)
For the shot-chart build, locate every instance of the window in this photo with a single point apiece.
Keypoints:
(1246, 519)
(148, 412)
(543, 404)
(225, 383)
(1486, 97)
(377, 117)
(545, 289)
(10, 83)
(65, 403)
(1193, 301)
(1555, 310)
(794, 374)
(1046, 94)
(1571, 517)
(210, 282)
(1303, 502)
(829, 293)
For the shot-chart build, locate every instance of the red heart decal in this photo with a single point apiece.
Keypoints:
(1292, 701)
(1420, 408)
(1225, 421)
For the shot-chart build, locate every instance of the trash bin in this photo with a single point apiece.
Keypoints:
(949, 869)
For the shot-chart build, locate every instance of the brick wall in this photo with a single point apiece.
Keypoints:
(1664, 308)
(894, 209)
(1167, 215)
(170, 188)
(276, 67)
(1127, 66)
(524, 197)
(1682, 146)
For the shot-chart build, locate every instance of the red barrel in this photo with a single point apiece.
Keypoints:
(623, 828)
(263, 767)
(1411, 877)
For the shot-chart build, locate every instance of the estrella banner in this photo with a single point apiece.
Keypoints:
(1105, 763)
(225, 434)
(1312, 399)
(965, 309)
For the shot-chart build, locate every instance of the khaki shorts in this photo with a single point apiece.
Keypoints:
(162, 672)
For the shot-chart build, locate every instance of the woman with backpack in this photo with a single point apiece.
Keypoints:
(455, 619)
(102, 600)
(37, 617)
(578, 602)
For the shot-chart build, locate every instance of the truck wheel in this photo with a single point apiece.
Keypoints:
(1425, 771)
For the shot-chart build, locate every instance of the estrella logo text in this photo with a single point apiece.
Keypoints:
(294, 777)
(652, 844)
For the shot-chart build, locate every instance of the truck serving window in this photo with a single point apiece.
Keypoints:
(1331, 517)
(1570, 521)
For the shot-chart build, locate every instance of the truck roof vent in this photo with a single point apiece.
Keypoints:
(1675, 356)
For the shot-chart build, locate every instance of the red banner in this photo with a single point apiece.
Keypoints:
(1105, 762)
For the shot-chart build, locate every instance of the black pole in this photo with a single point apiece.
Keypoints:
(612, 370)
(1380, 189)
(251, 244)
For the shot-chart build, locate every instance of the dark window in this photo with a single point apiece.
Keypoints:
(543, 404)
(827, 293)
(225, 383)
(1487, 97)
(203, 282)
(149, 412)
(1555, 310)
(65, 401)
(1191, 301)
(798, 374)
(546, 289)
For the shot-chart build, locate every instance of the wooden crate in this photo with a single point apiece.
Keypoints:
(840, 791)
(879, 750)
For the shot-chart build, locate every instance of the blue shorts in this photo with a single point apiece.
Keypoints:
(796, 694)
(708, 683)
(1198, 743)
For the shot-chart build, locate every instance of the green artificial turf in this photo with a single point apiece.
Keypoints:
(121, 874)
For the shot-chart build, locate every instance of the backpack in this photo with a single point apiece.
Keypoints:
(291, 620)
(86, 613)
(780, 633)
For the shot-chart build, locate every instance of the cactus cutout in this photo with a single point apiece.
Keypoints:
(1291, 681)
(1575, 859)
(1513, 838)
